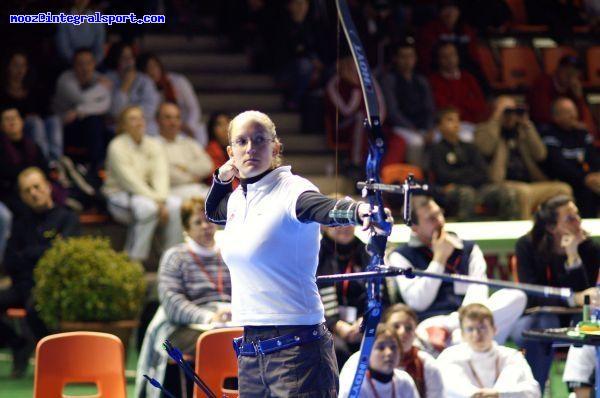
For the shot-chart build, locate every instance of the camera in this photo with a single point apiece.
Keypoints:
(518, 110)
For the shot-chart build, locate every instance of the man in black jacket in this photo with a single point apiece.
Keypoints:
(32, 233)
(572, 157)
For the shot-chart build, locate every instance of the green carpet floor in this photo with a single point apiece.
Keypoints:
(23, 388)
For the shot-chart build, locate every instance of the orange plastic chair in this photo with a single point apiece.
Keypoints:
(216, 360)
(593, 66)
(397, 172)
(488, 65)
(514, 270)
(552, 55)
(517, 9)
(79, 357)
(519, 67)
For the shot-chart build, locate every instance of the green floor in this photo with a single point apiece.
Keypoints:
(23, 388)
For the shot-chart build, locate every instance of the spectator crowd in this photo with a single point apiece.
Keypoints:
(107, 126)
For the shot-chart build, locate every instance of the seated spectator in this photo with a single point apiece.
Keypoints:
(453, 86)
(420, 365)
(17, 152)
(32, 233)
(194, 286)
(448, 27)
(565, 82)
(130, 87)
(218, 138)
(189, 164)
(409, 102)
(511, 143)
(580, 370)
(342, 252)
(5, 226)
(493, 16)
(432, 248)
(345, 110)
(70, 37)
(296, 52)
(479, 367)
(249, 25)
(176, 88)
(556, 252)
(20, 90)
(137, 186)
(82, 100)
(558, 15)
(457, 167)
(572, 157)
(383, 379)
(377, 25)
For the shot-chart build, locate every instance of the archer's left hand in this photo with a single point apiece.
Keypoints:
(365, 214)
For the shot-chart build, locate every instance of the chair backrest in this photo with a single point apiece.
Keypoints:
(552, 55)
(593, 65)
(518, 11)
(514, 268)
(488, 63)
(216, 360)
(397, 172)
(80, 357)
(519, 66)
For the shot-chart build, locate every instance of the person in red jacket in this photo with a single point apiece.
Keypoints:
(455, 87)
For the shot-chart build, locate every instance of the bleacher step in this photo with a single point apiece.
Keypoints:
(168, 43)
(286, 122)
(311, 164)
(236, 102)
(303, 143)
(330, 184)
(209, 62)
(231, 81)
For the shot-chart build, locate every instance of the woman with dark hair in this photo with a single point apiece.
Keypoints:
(556, 252)
(176, 88)
(130, 87)
(217, 137)
(19, 90)
(420, 365)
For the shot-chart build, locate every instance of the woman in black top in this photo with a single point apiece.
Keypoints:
(556, 252)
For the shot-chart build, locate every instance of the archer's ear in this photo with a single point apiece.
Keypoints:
(229, 151)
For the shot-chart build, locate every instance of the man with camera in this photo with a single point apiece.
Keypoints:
(513, 148)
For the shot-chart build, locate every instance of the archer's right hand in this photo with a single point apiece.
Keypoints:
(228, 171)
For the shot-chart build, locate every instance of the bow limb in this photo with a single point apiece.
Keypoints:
(377, 242)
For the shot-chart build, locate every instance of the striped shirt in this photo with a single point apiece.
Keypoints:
(189, 278)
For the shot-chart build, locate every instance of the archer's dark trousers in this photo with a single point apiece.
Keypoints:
(308, 370)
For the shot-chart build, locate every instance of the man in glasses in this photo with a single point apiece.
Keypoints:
(478, 367)
(433, 249)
